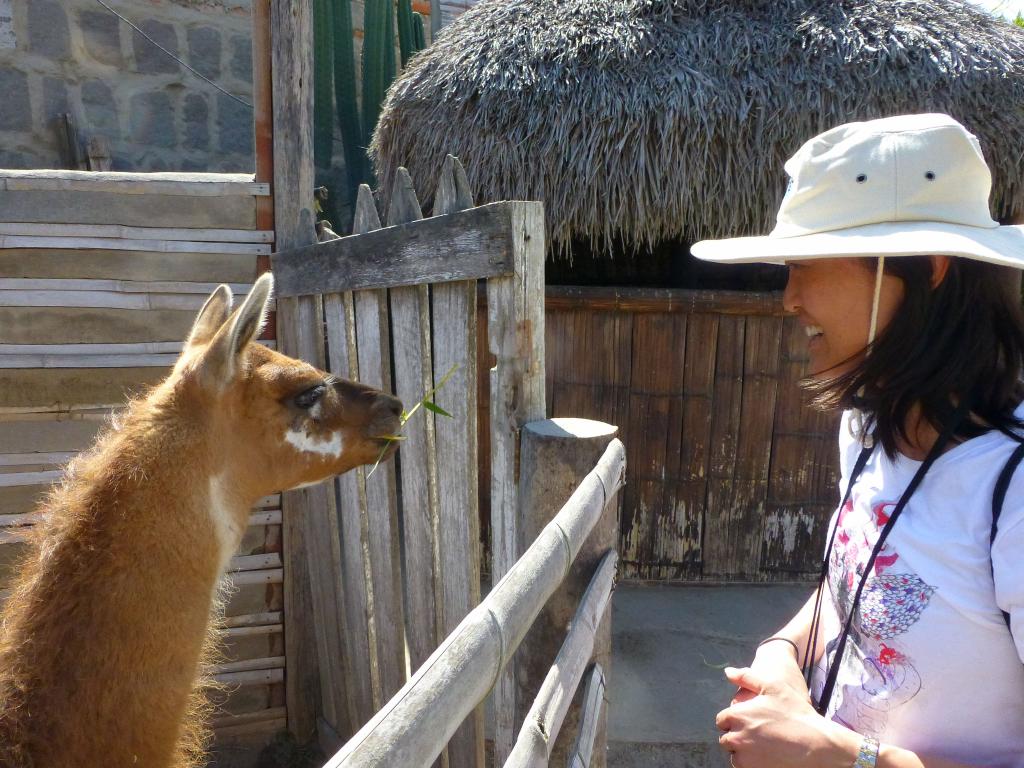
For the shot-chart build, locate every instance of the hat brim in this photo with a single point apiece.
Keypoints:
(998, 245)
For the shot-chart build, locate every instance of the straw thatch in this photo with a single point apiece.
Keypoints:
(658, 120)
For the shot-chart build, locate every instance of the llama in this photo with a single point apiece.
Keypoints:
(102, 638)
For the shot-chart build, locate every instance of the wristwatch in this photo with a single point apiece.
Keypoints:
(868, 754)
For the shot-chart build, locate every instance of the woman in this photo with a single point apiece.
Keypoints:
(912, 651)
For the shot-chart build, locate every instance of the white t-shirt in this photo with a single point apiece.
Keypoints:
(930, 665)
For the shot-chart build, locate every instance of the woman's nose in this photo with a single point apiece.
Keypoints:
(791, 296)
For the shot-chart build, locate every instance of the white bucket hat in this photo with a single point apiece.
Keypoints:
(899, 186)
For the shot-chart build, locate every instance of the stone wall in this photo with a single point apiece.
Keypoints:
(451, 9)
(76, 57)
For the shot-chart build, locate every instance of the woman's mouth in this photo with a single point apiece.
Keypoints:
(814, 335)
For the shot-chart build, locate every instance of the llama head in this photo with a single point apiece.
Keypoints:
(278, 422)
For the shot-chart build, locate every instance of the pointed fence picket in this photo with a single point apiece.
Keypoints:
(454, 349)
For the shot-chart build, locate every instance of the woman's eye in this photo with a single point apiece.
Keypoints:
(310, 397)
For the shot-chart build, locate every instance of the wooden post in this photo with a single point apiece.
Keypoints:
(263, 114)
(292, 75)
(556, 453)
(515, 336)
(98, 151)
(68, 142)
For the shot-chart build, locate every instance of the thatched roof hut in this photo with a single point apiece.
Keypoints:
(645, 121)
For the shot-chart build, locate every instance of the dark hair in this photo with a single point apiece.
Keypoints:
(963, 338)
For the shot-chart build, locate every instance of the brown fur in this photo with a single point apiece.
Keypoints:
(102, 639)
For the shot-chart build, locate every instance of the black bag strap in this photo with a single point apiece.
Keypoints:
(999, 496)
(811, 649)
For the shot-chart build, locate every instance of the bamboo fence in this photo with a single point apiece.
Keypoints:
(412, 729)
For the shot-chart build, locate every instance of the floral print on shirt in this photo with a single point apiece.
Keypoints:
(876, 675)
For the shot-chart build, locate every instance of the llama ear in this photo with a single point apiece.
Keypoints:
(219, 363)
(211, 317)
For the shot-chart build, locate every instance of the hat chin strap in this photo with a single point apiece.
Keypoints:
(873, 329)
(858, 415)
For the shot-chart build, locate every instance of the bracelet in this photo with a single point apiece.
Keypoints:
(868, 754)
(796, 650)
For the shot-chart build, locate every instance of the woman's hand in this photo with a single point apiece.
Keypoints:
(775, 662)
(771, 723)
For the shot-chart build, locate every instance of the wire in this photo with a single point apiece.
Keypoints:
(194, 71)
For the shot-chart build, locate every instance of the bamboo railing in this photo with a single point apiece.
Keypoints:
(593, 710)
(414, 726)
(544, 720)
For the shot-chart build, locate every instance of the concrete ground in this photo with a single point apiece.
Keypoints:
(666, 685)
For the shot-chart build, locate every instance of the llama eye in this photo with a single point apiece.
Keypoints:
(310, 397)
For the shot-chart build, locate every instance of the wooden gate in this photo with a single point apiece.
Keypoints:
(392, 556)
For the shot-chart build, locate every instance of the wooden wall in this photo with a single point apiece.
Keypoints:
(730, 477)
(100, 278)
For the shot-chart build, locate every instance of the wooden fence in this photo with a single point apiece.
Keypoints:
(399, 308)
(732, 476)
(101, 275)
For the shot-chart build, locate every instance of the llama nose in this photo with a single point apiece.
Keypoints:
(389, 404)
(387, 412)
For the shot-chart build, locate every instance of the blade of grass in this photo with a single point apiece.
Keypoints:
(716, 666)
(427, 404)
(426, 395)
(435, 408)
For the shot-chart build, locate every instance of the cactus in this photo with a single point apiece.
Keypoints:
(379, 69)
(323, 118)
(345, 98)
(375, 62)
(390, 68)
(419, 36)
(406, 35)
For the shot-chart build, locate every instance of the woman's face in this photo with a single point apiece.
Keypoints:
(832, 299)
